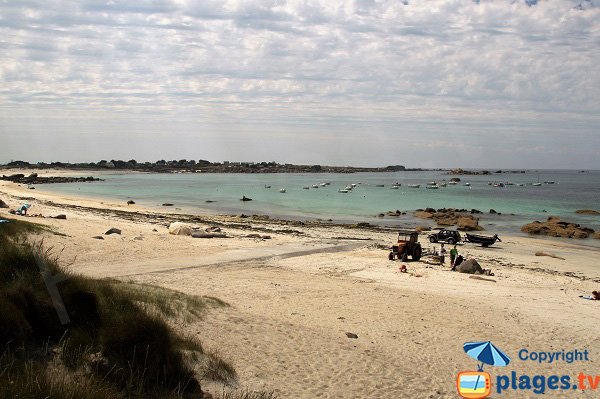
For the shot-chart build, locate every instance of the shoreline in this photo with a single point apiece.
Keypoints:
(294, 296)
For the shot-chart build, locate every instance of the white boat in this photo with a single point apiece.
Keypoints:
(282, 190)
(395, 187)
(353, 185)
(414, 185)
(432, 183)
(536, 184)
(442, 184)
(323, 184)
(315, 186)
(349, 188)
(432, 187)
(343, 191)
(467, 184)
(267, 186)
(452, 182)
(549, 182)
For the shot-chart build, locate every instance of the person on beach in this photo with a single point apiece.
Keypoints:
(453, 255)
(442, 254)
(459, 259)
(594, 297)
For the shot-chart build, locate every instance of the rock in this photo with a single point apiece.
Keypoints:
(201, 234)
(244, 198)
(475, 211)
(253, 235)
(424, 215)
(167, 204)
(209, 201)
(32, 176)
(468, 223)
(212, 229)
(493, 211)
(597, 235)
(98, 237)
(469, 266)
(430, 210)
(456, 179)
(154, 230)
(180, 229)
(3, 204)
(554, 227)
(587, 212)
(61, 216)
(130, 202)
(266, 237)
(112, 230)
(351, 335)
(381, 215)
(422, 228)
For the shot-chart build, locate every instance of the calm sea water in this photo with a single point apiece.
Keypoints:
(518, 204)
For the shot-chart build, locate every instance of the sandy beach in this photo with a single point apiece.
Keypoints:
(294, 296)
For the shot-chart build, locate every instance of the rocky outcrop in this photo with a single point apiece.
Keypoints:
(469, 266)
(35, 179)
(554, 227)
(462, 218)
(3, 204)
(587, 212)
(596, 235)
(112, 230)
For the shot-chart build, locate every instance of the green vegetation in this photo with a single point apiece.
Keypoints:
(116, 344)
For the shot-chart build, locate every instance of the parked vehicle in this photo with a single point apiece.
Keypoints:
(407, 245)
(448, 236)
(485, 241)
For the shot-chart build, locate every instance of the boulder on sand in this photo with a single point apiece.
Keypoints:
(554, 227)
(113, 230)
(3, 204)
(469, 266)
(468, 223)
(180, 229)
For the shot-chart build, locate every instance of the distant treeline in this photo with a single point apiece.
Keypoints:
(203, 166)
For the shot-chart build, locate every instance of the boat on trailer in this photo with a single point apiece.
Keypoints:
(485, 241)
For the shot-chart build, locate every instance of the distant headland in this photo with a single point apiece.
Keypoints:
(203, 166)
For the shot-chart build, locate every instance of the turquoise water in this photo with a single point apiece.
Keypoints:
(518, 204)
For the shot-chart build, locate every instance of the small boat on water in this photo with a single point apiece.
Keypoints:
(282, 190)
(267, 186)
(442, 184)
(323, 184)
(521, 184)
(306, 188)
(432, 183)
(549, 182)
(432, 187)
(453, 182)
(467, 184)
(343, 191)
(414, 185)
(485, 241)
(380, 185)
(536, 184)
(244, 198)
(315, 186)
(395, 187)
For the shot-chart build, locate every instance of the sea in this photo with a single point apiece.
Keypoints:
(561, 193)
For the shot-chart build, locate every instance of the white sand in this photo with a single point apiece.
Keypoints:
(294, 297)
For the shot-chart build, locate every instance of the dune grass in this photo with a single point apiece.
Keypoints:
(116, 344)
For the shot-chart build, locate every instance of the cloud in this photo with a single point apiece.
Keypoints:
(323, 65)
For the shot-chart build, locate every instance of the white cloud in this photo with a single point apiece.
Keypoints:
(322, 66)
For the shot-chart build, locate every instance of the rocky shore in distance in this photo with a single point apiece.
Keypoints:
(462, 218)
(460, 171)
(555, 227)
(35, 179)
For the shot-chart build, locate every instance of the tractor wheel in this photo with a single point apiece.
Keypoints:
(432, 239)
(404, 257)
(451, 241)
(391, 256)
(417, 253)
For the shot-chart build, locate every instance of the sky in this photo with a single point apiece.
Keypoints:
(433, 83)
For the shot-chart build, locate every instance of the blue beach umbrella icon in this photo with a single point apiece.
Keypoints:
(486, 353)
